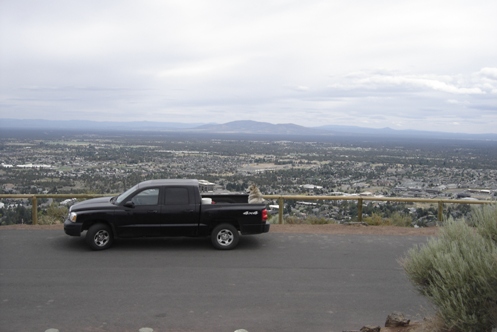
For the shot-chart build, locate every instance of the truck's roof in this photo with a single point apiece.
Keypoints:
(169, 182)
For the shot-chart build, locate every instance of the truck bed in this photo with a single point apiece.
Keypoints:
(227, 198)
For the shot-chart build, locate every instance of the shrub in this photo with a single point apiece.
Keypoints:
(313, 220)
(396, 219)
(374, 220)
(55, 214)
(458, 273)
(400, 219)
(484, 218)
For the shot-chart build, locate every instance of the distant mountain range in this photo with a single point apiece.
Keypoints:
(235, 127)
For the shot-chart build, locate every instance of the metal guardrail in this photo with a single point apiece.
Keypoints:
(280, 198)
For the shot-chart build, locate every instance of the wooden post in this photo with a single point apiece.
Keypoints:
(280, 210)
(440, 210)
(34, 210)
(359, 210)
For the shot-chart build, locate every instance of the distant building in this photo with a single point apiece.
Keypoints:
(34, 166)
(311, 187)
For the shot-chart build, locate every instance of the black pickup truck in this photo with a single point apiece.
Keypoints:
(165, 208)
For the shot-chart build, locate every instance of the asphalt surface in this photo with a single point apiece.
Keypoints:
(271, 282)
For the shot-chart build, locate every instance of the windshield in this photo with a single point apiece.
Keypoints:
(125, 194)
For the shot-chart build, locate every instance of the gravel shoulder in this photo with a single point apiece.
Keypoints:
(354, 229)
(302, 229)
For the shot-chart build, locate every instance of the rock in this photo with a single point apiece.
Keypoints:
(369, 328)
(396, 319)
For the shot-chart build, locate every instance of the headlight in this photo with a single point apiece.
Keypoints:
(73, 216)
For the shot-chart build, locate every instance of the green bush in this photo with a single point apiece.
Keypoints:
(374, 220)
(396, 219)
(313, 220)
(400, 219)
(55, 214)
(458, 273)
(484, 218)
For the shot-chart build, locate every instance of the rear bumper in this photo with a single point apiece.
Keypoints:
(256, 229)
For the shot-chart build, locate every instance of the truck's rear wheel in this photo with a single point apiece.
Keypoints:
(99, 237)
(225, 237)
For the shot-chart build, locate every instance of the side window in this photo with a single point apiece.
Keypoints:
(177, 196)
(147, 197)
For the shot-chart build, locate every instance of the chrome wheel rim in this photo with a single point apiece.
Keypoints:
(101, 238)
(225, 237)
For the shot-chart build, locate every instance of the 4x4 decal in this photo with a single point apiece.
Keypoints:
(250, 213)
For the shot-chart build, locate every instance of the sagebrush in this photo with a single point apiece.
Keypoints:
(458, 272)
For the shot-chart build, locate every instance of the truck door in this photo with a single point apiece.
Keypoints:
(140, 215)
(180, 212)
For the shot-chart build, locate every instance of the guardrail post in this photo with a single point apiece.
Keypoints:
(280, 210)
(440, 210)
(34, 210)
(359, 210)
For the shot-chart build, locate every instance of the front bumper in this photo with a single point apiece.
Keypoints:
(72, 228)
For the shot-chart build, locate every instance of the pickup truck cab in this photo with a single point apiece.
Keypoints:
(164, 208)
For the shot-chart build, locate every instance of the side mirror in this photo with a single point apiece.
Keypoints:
(129, 204)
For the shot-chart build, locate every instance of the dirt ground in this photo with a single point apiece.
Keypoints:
(353, 229)
(314, 229)
(305, 229)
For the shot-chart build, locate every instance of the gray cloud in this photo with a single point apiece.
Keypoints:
(378, 64)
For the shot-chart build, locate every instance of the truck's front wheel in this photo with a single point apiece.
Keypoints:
(99, 237)
(225, 237)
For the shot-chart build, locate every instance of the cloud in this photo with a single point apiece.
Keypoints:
(379, 63)
(408, 82)
(490, 73)
(198, 68)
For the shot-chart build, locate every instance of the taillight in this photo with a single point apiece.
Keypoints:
(264, 215)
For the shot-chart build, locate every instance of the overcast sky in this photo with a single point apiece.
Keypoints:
(427, 65)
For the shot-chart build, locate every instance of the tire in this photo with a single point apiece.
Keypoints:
(99, 237)
(225, 237)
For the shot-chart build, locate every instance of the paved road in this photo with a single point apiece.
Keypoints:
(271, 282)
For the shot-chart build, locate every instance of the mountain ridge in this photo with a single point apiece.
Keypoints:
(233, 127)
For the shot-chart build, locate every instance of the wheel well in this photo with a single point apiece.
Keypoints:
(89, 223)
(232, 222)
